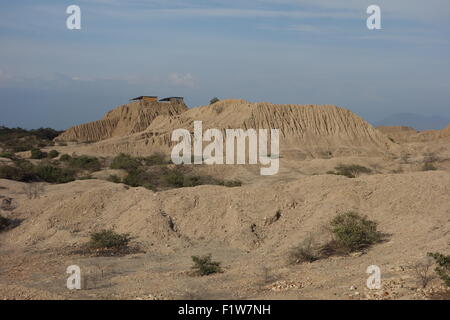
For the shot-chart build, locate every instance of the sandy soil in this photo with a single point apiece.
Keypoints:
(236, 225)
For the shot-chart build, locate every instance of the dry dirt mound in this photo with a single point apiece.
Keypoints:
(413, 207)
(398, 133)
(305, 130)
(124, 120)
(408, 134)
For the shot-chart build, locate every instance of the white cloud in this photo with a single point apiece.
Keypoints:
(182, 80)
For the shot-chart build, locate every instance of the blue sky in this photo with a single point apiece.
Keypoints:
(282, 51)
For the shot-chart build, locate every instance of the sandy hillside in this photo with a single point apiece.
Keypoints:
(240, 226)
(305, 130)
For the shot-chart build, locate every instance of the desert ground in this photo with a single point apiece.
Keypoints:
(249, 228)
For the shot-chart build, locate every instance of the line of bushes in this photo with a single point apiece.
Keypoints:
(49, 171)
(18, 139)
(155, 173)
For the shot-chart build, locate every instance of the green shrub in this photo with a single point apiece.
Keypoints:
(53, 154)
(53, 174)
(214, 100)
(351, 171)
(38, 154)
(65, 158)
(204, 266)
(85, 163)
(136, 178)
(18, 139)
(353, 232)
(125, 162)
(88, 177)
(20, 172)
(174, 178)
(192, 181)
(114, 178)
(443, 267)
(8, 155)
(150, 186)
(231, 183)
(108, 239)
(156, 158)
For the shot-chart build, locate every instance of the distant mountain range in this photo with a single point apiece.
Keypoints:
(417, 121)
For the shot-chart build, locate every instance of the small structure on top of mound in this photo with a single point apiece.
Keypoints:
(145, 98)
(172, 99)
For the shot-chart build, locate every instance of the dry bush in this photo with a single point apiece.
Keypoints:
(305, 252)
(405, 157)
(423, 270)
(33, 190)
(8, 204)
(350, 171)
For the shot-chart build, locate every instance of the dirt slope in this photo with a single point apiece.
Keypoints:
(405, 204)
(124, 120)
(238, 225)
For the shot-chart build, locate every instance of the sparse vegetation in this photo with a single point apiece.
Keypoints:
(84, 163)
(49, 171)
(442, 266)
(351, 232)
(231, 183)
(307, 251)
(38, 154)
(7, 223)
(429, 161)
(53, 154)
(204, 265)
(109, 239)
(430, 157)
(350, 171)
(8, 155)
(422, 271)
(405, 157)
(114, 178)
(155, 173)
(65, 158)
(355, 232)
(137, 178)
(4, 222)
(33, 190)
(428, 166)
(54, 174)
(125, 162)
(22, 171)
(108, 243)
(18, 139)
(155, 159)
(213, 100)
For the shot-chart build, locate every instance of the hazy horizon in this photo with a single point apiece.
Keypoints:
(288, 51)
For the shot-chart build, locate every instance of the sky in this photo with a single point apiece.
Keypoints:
(281, 51)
